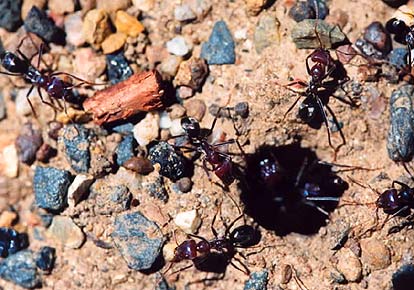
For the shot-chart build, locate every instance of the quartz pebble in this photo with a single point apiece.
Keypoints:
(183, 12)
(192, 73)
(66, 232)
(128, 24)
(96, 27)
(10, 161)
(178, 46)
(73, 27)
(219, 49)
(147, 129)
(176, 128)
(195, 108)
(177, 111)
(22, 105)
(170, 64)
(113, 43)
(165, 121)
(138, 239)
(79, 188)
(144, 5)
(184, 184)
(188, 221)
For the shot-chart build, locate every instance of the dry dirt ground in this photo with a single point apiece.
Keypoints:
(253, 79)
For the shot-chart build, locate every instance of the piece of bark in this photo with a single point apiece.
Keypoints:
(139, 93)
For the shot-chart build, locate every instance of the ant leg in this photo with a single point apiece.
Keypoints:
(210, 131)
(39, 91)
(245, 270)
(301, 170)
(77, 78)
(30, 103)
(403, 185)
(228, 228)
(206, 169)
(179, 270)
(10, 74)
(404, 164)
(213, 230)
(336, 124)
(291, 107)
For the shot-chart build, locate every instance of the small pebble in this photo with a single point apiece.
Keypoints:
(184, 184)
(147, 129)
(113, 6)
(257, 281)
(128, 24)
(76, 140)
(28, 142)
(303, 34)
(73, 27)
(113, 43)
(64, 230)
(172, 164)
(375, 254)
(188, 221)
(53, 130)
(20, 269)
(144, 5)
(40, 24)
(118, 67)
(368, 49)
(61, 7)
(184, 92)
(50, 187)
(255, 6)
(398, 57)
(125, 128)
(219, 49)
(139, 164)
(10, 161)
(176, 111)
(178, 46)
(192, 73)
(195, 108)
(200, 7)
(125, 150)
(110, 198)
(170, 64)
(323, 9)
(96, 27)
(153, 185)
(183, 13)
(349, 265)
(165, 121)
(45, 152)
(176, 129)
(376, 34)
(242, 109)
(403, 278)
(28, 4)
(3, 113)
(10, 11)
(87, 64)
(138, 239)
(78, 188)
(12, 241)
(45, 259)
(301, 11)
(266, 32)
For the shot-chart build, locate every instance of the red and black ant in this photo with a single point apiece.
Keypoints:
(18, 64)
(199, 252)
(220, 163)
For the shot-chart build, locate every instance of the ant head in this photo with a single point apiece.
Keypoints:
(396, 26)
(244, 236)
(388, 200)
(13, 63)
(308, 110)
(191, 127)
(203, 247)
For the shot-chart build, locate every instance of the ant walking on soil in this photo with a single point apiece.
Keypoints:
(18, 64)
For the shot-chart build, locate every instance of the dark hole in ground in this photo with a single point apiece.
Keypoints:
(278, 180)
(403, 278)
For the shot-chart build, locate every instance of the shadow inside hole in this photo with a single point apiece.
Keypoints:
(403, 278)
(275, 190)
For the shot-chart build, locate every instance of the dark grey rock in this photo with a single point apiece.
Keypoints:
(76, 139)
(219, 49)
(403, 278)
(301, 11)
(10, 11)
(28, 142)
(257, 281)
(20, 269)
(110, 198)
(45, 259)
(172, 164)
(51, 187)
(155, 187)
(3, 112)
(12, 241)
(118, 68)
(368, 49)
(303, 34)
(400, 143)
(376, 34)
(242, 109)
(124, 128)
(138, 239)
(125, 149)
(46, 219)
(319, 6)
(183, 185)
(398, 57)
(40, 24)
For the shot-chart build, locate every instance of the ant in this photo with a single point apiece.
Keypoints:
(18, 64)
(220, 163)
(243, 236)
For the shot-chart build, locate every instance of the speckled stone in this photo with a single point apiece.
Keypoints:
(172, 164)
(76, 140)
(257, 281)
(219, 49)
(125, 149)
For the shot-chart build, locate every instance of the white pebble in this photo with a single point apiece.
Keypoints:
(176, 128)
(165, 121)
(147, 129)
(78, 188)
(178, 46)
(240, 34)
(188, 221)
(184, 13)
(10, 161)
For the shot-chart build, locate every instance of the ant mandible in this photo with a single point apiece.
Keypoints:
(18, 64)
(243, 236)
(221, 163)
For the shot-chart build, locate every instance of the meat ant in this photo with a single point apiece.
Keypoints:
(220, 163)
(243, 236)
(18, 64)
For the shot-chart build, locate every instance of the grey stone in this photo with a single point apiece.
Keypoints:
(266, 32)
(138, 239)
(219, 49)
(110, 198)
(125, 149)
(172, 164)
(257, 281)
(76, 140)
